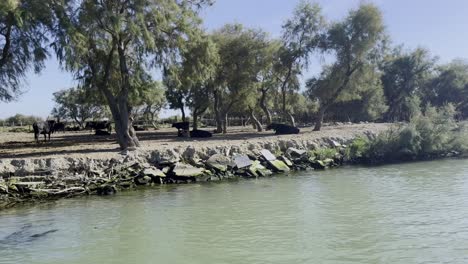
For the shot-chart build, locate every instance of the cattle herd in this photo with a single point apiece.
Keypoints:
(104, 128)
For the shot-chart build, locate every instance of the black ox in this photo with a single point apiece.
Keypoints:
(182, 128)
(45, 128)
(200, 134)
(99, 125)
(282, 129)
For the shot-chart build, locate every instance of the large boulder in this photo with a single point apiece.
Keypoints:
(186, 170)
(295, 153)
(153, 172)
(278, 166)
(267, 155)
(165, 157)
(219, 162)
(258, 170)
(242, 161)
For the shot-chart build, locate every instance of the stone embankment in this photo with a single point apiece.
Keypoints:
(40, 179)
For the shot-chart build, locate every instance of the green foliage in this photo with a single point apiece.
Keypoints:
(77, 104)
(404, 75)
(323, 153)
(149, 102)
(353, 41)
(20, 119)
(428, 135)
(357, 149)
(449, 85)
(112, 46)
(23, 40)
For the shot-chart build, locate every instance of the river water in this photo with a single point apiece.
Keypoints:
(410, 213)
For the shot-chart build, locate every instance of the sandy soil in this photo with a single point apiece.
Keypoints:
(86, 144)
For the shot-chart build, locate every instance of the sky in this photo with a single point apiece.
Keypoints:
(439, 26)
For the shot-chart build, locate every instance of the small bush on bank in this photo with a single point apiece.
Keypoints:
(432, 134)
(324, 153)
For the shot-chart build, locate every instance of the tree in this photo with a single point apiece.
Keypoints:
(190, 81)
(267, 78)
(150, 102)
(76, 104)
(22, 120)
(23, 37)
(112, 44)
(352, 41)
(240, 51)
(449, 86)
(302, 35)
(404, 75)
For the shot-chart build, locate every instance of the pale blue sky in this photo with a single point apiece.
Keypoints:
(440, 26)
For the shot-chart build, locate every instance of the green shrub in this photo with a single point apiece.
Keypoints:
(357, 149)
(432, 134)
(324, 153)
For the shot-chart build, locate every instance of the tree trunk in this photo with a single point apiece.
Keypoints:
(225, 123)
(218, 116)
(264, 107)
(195, 119)
(257, 123)
(292, 121)
(318, 123)
(127, 139)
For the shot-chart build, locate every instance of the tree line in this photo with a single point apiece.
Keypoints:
(113, 47)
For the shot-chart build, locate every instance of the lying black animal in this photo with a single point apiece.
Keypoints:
(74, 128)
(100, 132)
(182, 128)
(282, 129)
(139, 128)
(44, 128)
(96, 125)
(58, 126)
(200, 134)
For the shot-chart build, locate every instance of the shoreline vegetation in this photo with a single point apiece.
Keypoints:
(428, 136)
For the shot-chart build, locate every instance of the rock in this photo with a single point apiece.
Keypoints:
(143, 180)
(153, 172)
(242, 161)
(322, 164)
(257, 169)
(335, 144)
(267, 155)
(106, 189)
(329, 162)
(166, 170)
(279, 166)
(165, 157)
(219, 162)
(318, 165)
(287, 161)
(186, 170)
(3, 188)
(296, 153)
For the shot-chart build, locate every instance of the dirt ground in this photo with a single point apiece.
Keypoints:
(86, 144)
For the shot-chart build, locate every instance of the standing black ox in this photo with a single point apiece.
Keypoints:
(45, 128)
(182, 128)
(282, 129)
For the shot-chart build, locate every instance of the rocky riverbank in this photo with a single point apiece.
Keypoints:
(42, 179)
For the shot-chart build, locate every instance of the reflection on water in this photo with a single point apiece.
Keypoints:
(411, 213)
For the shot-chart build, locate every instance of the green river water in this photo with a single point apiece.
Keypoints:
(406, 213)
